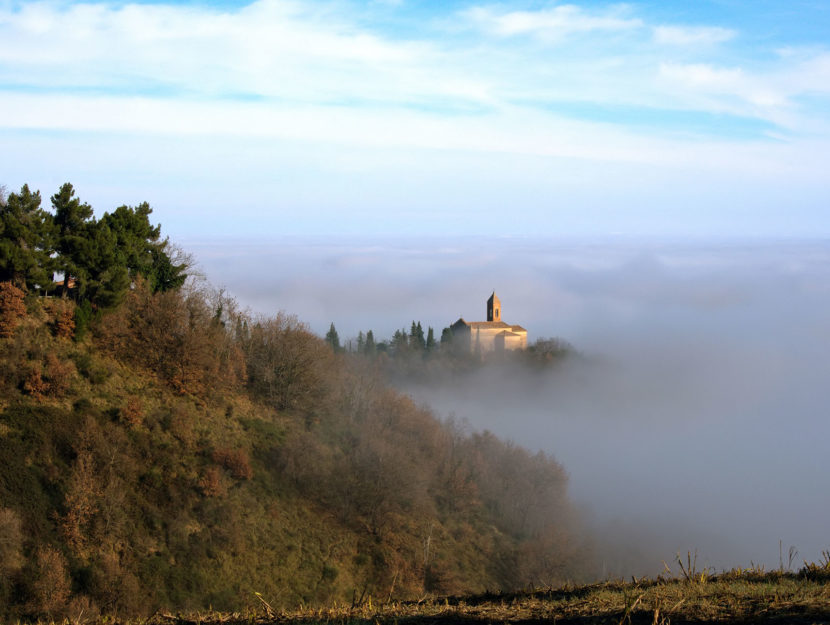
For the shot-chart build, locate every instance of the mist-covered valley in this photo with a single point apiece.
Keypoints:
(694, 417)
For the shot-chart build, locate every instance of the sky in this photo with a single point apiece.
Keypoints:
(390, 117)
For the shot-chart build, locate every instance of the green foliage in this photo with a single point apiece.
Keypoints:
(370, 348)
(430, 342)
(73, 236)
(446, 337)
(416, 337)
(333, 339)
(26, 241)
(98, 259)
(83, 317)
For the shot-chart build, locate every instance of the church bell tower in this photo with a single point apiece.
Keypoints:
(493, 308)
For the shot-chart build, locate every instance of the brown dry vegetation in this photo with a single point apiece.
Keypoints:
(179, 454)
(736, 597)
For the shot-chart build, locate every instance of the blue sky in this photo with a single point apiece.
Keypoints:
(386, 117)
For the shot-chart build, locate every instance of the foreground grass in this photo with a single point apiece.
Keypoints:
(735, 597)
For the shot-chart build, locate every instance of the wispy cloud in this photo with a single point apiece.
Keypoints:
(295, 53)
(552, 23)
(692, 35)
(599, 83)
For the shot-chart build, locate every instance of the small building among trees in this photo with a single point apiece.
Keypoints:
(493, 335)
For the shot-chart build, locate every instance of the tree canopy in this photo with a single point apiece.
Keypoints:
(26, 240)
(97, 258)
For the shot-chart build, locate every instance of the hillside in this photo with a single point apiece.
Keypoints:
(181, 455)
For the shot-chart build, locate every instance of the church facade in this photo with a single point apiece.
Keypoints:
(493, 335)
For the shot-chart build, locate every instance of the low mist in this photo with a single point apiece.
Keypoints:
(695, 417)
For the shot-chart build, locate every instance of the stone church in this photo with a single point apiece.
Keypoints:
(491, 335)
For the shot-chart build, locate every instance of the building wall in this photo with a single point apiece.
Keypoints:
(512, 341)
(489, 340)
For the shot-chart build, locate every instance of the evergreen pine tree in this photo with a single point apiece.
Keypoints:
(73, 230)
(333, 339)
(416, 337)
(26, 241)
(370, 347)
(140, 249)
(446, 337)
(430, 345)
(400, 342)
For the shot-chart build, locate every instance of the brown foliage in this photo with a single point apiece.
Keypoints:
(133, 411)
(51, 587)
(60, 374)
(56, 381)
(61, 314)
(82, 499)
(211, 483)
(34, 385)
(287, 365)
(82, 609)
(12, 308)
(177, 335)
(114, 587)
(64, 323)
(234, 460)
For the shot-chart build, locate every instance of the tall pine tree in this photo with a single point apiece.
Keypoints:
(26, 241)
(73, 234)
(333, 339)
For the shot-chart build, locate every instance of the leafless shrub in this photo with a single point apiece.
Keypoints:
(51, 587)
(287, 365)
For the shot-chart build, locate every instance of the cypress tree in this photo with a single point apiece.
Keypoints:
(430, 346)
(333, 339)
(446, 338)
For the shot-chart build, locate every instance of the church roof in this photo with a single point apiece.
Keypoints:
(508, 333)
(490, 325)
(482, 325)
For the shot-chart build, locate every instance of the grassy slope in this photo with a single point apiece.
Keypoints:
(106, 506)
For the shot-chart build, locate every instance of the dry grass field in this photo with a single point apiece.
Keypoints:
(737, 596)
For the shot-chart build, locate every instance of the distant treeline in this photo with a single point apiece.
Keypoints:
(401, 343)
(182, 454)
(415, 357)
(413, 343)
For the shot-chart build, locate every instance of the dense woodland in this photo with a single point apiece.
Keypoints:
(161, 449)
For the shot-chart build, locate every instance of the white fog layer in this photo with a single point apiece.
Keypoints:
(697, 418)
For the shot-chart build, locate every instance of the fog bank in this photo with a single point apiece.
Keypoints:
(697, 419)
